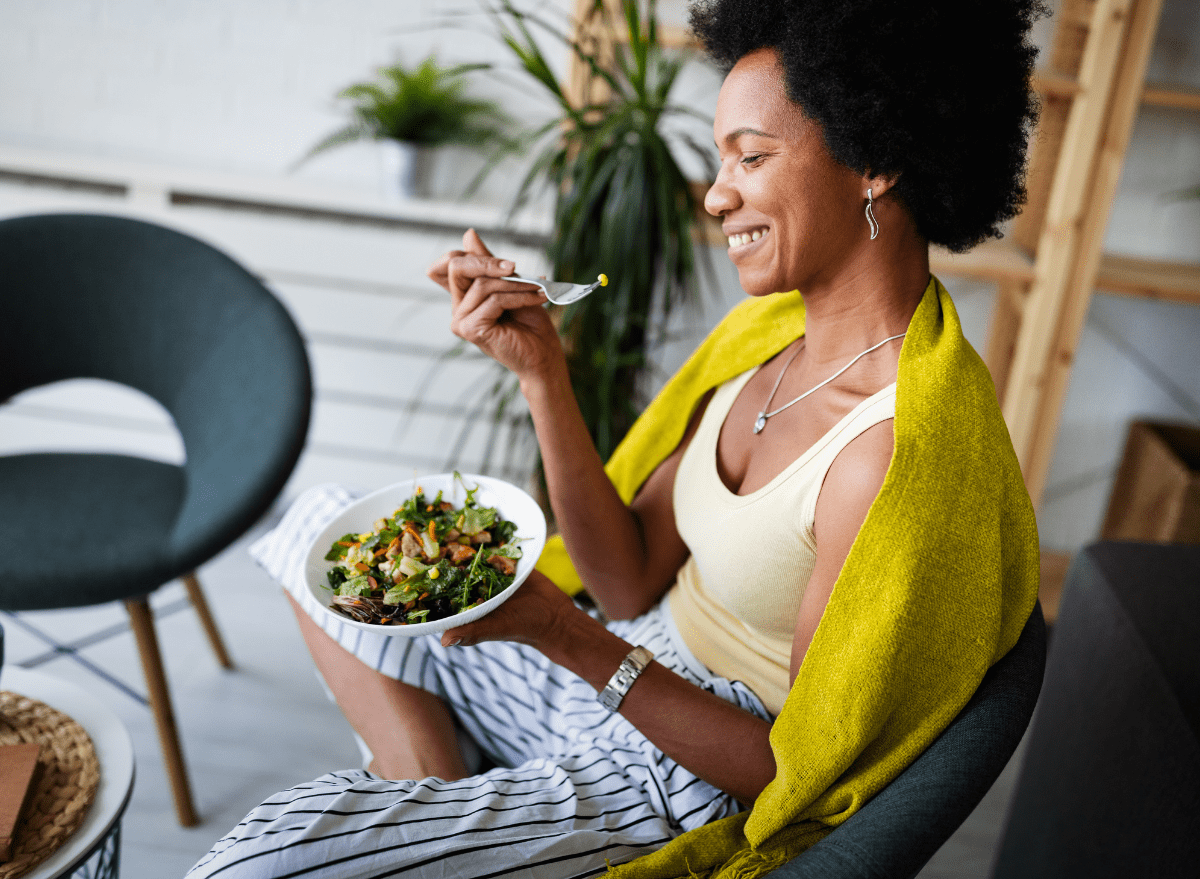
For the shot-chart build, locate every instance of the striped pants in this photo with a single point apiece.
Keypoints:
(574, 787)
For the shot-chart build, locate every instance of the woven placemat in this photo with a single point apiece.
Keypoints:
(67, 785)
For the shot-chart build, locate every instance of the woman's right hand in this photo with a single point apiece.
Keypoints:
(504, 319)
(604, 536)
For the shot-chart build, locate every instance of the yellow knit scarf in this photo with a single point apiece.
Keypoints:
(936, 588)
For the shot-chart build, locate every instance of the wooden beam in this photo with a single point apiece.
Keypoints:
(992, 261)
(1007, 264)
(1059, 84)
(1054, 567)
(676, 36)
(1073, 25)
(1003, 330)
(1149, 278)
(1059, 242)
(1051, 82)
(594, 32)
(1045, 147)
(1043, 409)
(1179, 97)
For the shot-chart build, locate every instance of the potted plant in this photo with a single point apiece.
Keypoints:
(622, 204)
(408, 111)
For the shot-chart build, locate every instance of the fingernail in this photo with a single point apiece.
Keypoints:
(507, 265)
(454, 642)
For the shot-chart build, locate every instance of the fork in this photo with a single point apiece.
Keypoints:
(561, 292)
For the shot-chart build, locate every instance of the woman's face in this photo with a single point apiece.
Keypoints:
(794, 214)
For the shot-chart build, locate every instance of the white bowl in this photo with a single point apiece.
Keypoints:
(512, 503)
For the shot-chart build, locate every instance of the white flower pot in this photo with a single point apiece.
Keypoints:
(405, 167)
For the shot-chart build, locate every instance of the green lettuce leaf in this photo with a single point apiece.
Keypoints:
(359, 585)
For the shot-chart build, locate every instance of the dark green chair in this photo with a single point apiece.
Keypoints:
(135, 303)
(1110, 781)
(897, 832)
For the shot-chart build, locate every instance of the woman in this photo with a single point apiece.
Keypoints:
(841, 436)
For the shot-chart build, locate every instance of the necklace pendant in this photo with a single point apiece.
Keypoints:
(760, 422)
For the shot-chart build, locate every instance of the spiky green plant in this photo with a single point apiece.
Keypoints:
(622, 204)
(425, 105)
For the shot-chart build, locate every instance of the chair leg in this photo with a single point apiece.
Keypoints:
(200, 603)
(141, 620)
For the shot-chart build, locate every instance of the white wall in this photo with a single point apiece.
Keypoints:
(243, 86)
(246, 86)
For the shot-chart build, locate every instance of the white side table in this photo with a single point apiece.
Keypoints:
(99, 836)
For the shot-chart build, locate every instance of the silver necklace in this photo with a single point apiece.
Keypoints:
(761, 421)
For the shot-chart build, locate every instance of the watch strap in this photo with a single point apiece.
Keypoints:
(627, 672)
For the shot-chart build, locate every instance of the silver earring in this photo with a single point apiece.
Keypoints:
(871, 216)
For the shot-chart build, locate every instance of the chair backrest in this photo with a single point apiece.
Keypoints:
(902, 827)
(157, 310)
(1110, 780)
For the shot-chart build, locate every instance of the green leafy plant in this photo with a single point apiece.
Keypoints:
(426, 105)
(622, 204)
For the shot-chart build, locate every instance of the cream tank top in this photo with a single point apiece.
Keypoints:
(736, 598)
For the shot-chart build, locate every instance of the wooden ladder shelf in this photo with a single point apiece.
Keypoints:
(1048, 266)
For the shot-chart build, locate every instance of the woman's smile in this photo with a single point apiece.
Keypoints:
(741, 241)
(790, 212)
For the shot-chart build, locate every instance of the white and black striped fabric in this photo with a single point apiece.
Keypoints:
(575, 787)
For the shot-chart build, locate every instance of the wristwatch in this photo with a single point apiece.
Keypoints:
(618, 685)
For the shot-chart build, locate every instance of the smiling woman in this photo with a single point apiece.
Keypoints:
(795, 215)
(813, 543)
(938, 98)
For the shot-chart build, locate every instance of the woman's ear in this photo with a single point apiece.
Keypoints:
(878, 184)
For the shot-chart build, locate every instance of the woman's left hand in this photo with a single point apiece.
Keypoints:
(535, 614)
(689, 724)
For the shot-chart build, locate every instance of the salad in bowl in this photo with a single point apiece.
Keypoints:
(423, 556)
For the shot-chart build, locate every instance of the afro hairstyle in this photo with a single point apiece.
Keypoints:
(934, 91)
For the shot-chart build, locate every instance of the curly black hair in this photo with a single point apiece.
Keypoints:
(936, 91)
